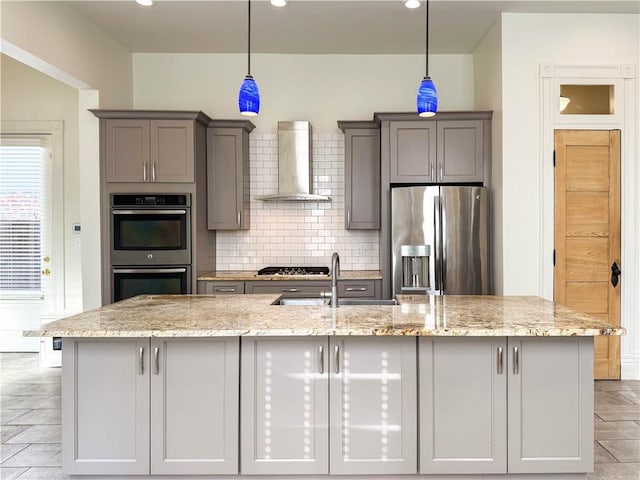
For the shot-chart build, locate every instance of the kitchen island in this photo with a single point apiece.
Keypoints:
(230, 385)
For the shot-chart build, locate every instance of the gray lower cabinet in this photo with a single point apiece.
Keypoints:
(360, 288)
(550, 405)
(284, 406)
(136, 406)
(373, 405)
(310, 287)
(363, 388)
(194, 406)
(105, 407)
(492, 405)
(463, 401)
(213, 287)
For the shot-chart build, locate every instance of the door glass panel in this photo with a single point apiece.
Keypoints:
(587, 99)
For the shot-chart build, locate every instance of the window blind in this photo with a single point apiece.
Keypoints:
(22, 208)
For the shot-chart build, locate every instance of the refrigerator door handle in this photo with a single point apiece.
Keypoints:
(436, 254)
(442, 251)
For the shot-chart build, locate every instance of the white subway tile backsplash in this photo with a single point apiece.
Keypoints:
(297, 233)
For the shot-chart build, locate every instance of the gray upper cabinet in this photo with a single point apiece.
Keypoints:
(460, 147)
(228, 193)
(463, 399)
(362, 175)
(373, 405)
(412, 152)
(105, 406)
(194, 405)
(452, 147)
(284, 406)
(140, 150)
(550, 405)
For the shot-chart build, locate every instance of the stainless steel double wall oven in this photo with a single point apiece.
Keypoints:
(150, 244)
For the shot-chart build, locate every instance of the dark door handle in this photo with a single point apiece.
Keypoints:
(615, 273)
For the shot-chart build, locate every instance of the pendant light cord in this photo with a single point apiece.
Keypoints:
(426, 39)
(249, 38)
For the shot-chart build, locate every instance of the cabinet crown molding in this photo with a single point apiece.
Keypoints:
(197, 116)
(379, 117)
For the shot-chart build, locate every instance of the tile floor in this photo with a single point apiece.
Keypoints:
(30, 423)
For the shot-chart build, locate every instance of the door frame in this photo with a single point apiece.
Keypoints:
(624, 77)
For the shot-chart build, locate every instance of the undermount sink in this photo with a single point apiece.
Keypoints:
(319, 301)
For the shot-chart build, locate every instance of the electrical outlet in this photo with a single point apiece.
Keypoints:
(359, 251)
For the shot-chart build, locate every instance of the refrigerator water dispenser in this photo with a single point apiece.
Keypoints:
(415, 268)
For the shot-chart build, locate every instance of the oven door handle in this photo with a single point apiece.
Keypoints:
(149, 270)
(149, 212)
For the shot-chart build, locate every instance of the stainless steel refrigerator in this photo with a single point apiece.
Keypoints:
(440, 240)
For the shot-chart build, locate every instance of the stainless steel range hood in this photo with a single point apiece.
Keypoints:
(294, 165)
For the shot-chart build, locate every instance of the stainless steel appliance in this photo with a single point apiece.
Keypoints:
(132, 281)
(439, 240)
(150, 229)
(294, 271)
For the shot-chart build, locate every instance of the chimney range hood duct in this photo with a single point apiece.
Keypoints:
(294, 165)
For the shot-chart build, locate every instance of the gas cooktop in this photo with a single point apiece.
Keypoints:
(294, 271)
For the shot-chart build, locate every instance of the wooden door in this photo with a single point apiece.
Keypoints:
(373, 406)
(587, 232)
(463, 405)
(194, 406)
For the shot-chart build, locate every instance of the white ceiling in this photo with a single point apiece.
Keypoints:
(312, 26)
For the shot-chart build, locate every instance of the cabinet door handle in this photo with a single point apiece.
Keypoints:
(156, 360)
(225, 289)
(153, 171)
(441, 171)
(500, 361)
(516, 361)
(432, 172)
(141, 361)
(238, 218)
(321, 359)
(349, 218)
(356, 289)
(291, 290)
(336, 359)
(144, 171)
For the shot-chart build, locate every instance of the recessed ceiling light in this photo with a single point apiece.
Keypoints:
(412, 3)
(279, 3)
(145, 3)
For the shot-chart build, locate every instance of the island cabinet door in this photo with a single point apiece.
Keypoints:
(550, 405)
(463, 400)
(284, 406)
(194, 405)
(105, 409)
(373, 405)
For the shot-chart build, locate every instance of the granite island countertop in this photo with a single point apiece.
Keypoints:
(253, 315)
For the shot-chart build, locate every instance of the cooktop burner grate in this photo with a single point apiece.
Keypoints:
(294, 271)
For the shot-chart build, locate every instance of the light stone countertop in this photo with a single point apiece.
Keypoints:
(253, 315)
(242, 275)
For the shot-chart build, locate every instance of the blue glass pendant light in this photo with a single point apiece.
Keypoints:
(249, 95)
(427, 99)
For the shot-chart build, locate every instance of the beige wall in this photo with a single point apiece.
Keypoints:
(487, 63)
(319, 88)
(55, 39)
(28, 95)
